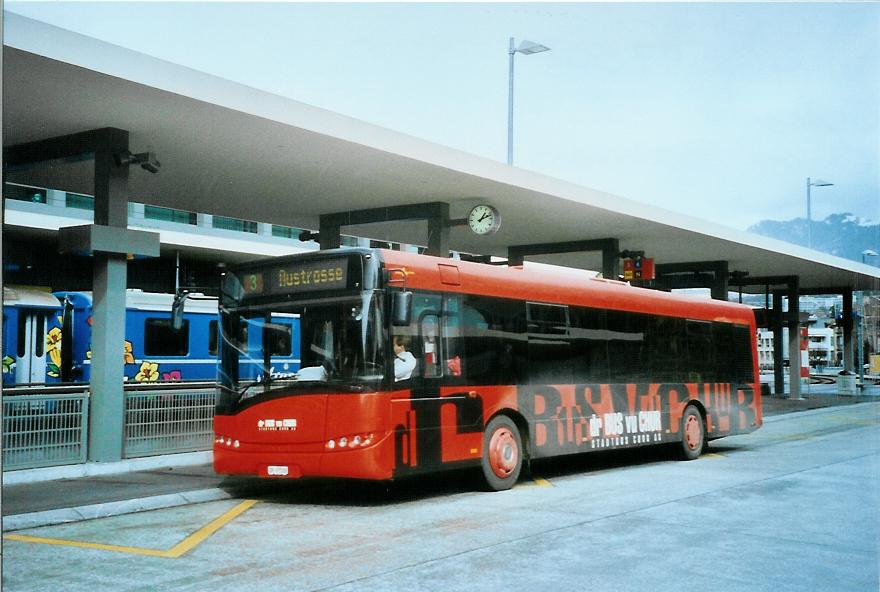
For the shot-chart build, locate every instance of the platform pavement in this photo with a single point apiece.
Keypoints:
(174, 481)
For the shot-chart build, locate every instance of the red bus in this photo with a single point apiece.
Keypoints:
(411, 364)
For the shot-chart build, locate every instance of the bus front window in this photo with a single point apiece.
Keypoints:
(296, 345)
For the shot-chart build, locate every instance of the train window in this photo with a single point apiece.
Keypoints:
(22, 333)
(277, 338)
(161, 339)
(212, 337)
(40, 334)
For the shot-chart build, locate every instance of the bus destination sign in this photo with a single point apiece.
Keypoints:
(309, 276)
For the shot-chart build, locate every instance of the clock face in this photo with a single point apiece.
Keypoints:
(484, 219)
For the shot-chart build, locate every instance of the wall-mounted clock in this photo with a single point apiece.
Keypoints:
(484, 219)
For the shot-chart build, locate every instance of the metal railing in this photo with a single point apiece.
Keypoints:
(48, 426)
(168, 421)
(44, 430)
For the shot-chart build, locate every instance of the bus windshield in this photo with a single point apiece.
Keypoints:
(295, 345)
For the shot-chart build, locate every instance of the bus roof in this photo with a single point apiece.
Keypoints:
(557, 285)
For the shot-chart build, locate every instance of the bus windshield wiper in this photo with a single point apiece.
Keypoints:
(263, 381)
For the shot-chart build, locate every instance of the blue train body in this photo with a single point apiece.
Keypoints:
(154, 351)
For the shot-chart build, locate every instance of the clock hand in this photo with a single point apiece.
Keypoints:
(483, 217)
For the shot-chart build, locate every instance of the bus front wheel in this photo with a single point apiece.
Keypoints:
(693, 433)
(502, 453)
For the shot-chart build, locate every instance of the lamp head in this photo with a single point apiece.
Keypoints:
(528, 48)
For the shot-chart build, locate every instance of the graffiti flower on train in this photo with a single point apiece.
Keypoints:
(8, 364)
(149, 372)
(53, 339)
(53, 348)
(173, 375)
(128, 356)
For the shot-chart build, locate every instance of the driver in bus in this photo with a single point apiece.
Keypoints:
(404, 361)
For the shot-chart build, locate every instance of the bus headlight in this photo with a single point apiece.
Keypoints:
(350, 442)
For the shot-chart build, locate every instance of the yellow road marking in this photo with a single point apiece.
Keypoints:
(713, 455)
(536, 482)
(178, 550)
(196, 538)
(135, 550)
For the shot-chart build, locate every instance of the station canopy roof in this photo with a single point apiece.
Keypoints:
(231, 150)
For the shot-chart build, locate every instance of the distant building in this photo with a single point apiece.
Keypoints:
(822, 345)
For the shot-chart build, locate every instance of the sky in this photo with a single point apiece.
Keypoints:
(720, 111)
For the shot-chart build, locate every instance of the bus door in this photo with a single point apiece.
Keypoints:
(30, 355)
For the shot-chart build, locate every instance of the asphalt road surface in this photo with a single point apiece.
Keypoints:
(794, 506)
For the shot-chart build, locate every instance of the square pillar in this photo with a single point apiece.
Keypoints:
(778, 375)
(794, 342)
(848, 362)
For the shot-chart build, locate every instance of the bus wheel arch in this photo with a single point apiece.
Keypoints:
(504, 451)
(694, 439)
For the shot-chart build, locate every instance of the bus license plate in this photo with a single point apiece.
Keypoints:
(277, 470)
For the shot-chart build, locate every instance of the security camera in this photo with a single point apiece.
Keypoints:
(150, 162)
(147, 160)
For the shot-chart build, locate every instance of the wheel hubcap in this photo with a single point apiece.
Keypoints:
(692, 433)
(503, 453)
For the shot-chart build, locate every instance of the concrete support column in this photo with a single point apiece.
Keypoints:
(329, 236)
(794, 341)
(438, 232)
(848, 362)
(778, 374)
(721, 284)
(107, 399)
(611, 259)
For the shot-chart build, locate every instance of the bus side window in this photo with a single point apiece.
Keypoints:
(549, 344)
(452, 337)
(423, 334)
(429, 332)
(589, 345)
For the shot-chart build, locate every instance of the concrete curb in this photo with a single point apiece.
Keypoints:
(817, 411)
(94, 469)
(105, 510)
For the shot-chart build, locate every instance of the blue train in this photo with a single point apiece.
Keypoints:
(38, 326)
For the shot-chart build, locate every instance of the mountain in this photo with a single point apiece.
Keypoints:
(843, 235)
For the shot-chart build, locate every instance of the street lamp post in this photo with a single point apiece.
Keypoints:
(816, 183)
(860, 310)
(525, 48)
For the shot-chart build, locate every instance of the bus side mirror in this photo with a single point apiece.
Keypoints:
(401, 309)
(177, 310)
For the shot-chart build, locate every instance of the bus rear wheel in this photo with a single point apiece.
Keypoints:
(693, 433)
(502, 453)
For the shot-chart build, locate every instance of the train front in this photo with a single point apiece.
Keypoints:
(302, 369)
